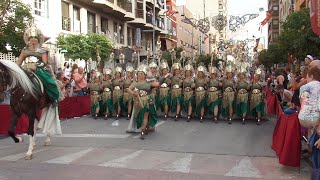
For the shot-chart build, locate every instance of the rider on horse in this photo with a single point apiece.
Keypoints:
(38, 59)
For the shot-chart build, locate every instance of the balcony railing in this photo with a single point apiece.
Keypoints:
(66, 23)
(129, 7)
(139, 13)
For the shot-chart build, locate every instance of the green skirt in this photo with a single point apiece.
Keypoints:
(185, 103)
(120, 101)
(174, 103)
(260, 108)
(242, 108)
(225, 111)
(49, 83)
(152, 119)
(201, 105)
(108, 104)
(94, 108)
(213, 105)
(164, 101)
(125, 105)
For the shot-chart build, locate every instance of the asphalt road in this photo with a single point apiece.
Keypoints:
(94, 149)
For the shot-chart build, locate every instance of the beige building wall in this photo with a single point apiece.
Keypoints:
(285, 9)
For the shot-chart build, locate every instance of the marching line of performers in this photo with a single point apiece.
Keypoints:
(198, 92)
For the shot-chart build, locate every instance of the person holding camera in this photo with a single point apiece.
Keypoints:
(80, 82)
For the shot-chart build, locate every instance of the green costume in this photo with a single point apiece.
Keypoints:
(164, 95)
(242, 98)
(143, 104)
(117, 93)
(95, 97)
(213, 95)
(43, 74)
(201, 98)
(127, 98)
(228, 97)
(256, 100)
(176, 93)
(188, 96)
(106, 97)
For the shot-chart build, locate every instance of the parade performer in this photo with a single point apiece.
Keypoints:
(107, 105)
(176, 90)
(38, 61)
(201, 86)
(95, 88)
(242, 87)
(188, 86)
(127, 98)
(257, 104)
(117, 93)
(228, 94)
(143, 104)
(214, 93)
(153, 76)
(164, 94)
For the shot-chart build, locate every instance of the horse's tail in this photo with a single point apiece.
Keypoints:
(18, 77)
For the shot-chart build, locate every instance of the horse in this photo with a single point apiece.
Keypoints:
(24, 99)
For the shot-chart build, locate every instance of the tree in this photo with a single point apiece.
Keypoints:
(15, 17)
(297, 37)
(275, 54)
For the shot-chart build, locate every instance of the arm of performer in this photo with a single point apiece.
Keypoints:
(130, 90)
(21, 58)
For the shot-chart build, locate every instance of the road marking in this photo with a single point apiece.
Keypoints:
(16, 157)
(67, 159)
(181, 165)
(4, 147)
(123, 161)
(157, 125)
(115, 136)
(244, 168)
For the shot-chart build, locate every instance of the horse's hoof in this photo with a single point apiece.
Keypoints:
(28, 157)
(47, 143)
(20, 139)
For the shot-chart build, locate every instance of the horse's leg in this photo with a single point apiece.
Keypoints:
(13, 123)
(47, 142)
(32, 118)
(35, 132)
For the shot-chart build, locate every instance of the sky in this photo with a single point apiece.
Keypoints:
(241, 7)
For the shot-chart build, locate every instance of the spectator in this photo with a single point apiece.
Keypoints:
(68, 91)
(307, 60)
(284, 96)
(315, 63)
(61, 85)
(80, 82)
(67, 70)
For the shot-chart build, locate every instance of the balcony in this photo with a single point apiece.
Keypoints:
(139, 13)
(66, 23)
(149, 18)
(129, 7)
(129, 40)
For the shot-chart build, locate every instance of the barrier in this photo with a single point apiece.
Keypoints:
(70, 107)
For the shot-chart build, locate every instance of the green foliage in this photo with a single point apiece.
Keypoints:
(85, 46)
(297, 36)
(275, 54)
(15, 17)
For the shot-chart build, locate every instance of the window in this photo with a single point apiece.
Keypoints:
(104, 25)
(91, 23)
(76, 19)
(275, 22)
(65, 16)
(275, 8)
(41, 8)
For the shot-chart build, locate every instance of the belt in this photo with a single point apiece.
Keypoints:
(106, 90)
(213, 89)
(256, 91)
(200, 89)
(187, 89)
(228, 89)
(117, 88)
(164, 85)
(242, 91)
(176, 86)
(142, 93)
(94, 93)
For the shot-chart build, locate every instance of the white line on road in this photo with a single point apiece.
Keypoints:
(16, 157)
(115, 136)
(123, 161)
(244, 168)
(181, 165)
(157, 125)
(67, 159)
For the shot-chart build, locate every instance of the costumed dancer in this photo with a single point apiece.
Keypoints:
(176, 90)
(107, 105)
(242, 87)
(257, 103)
(143, 104)
(214, 93)
(228, 94)
(127, 98)
(117, 93)
(152, 76)
(201, 86)
(96, 89)
(164, 95)
(188, 86)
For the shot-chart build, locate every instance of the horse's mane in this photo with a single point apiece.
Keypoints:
(18, 77)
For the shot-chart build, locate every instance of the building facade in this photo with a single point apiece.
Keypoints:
(286, 7)
(119, 20)
(274, 23)
(301, 4)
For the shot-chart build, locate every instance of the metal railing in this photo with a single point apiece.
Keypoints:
(66, 23)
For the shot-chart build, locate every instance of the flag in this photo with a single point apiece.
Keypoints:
(265, 21)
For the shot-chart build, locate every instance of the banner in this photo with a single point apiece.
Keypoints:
(315, 16)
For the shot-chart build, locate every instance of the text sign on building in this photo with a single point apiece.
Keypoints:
(315, 16)
(138, 37)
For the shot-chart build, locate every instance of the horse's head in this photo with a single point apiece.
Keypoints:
(4, 78)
